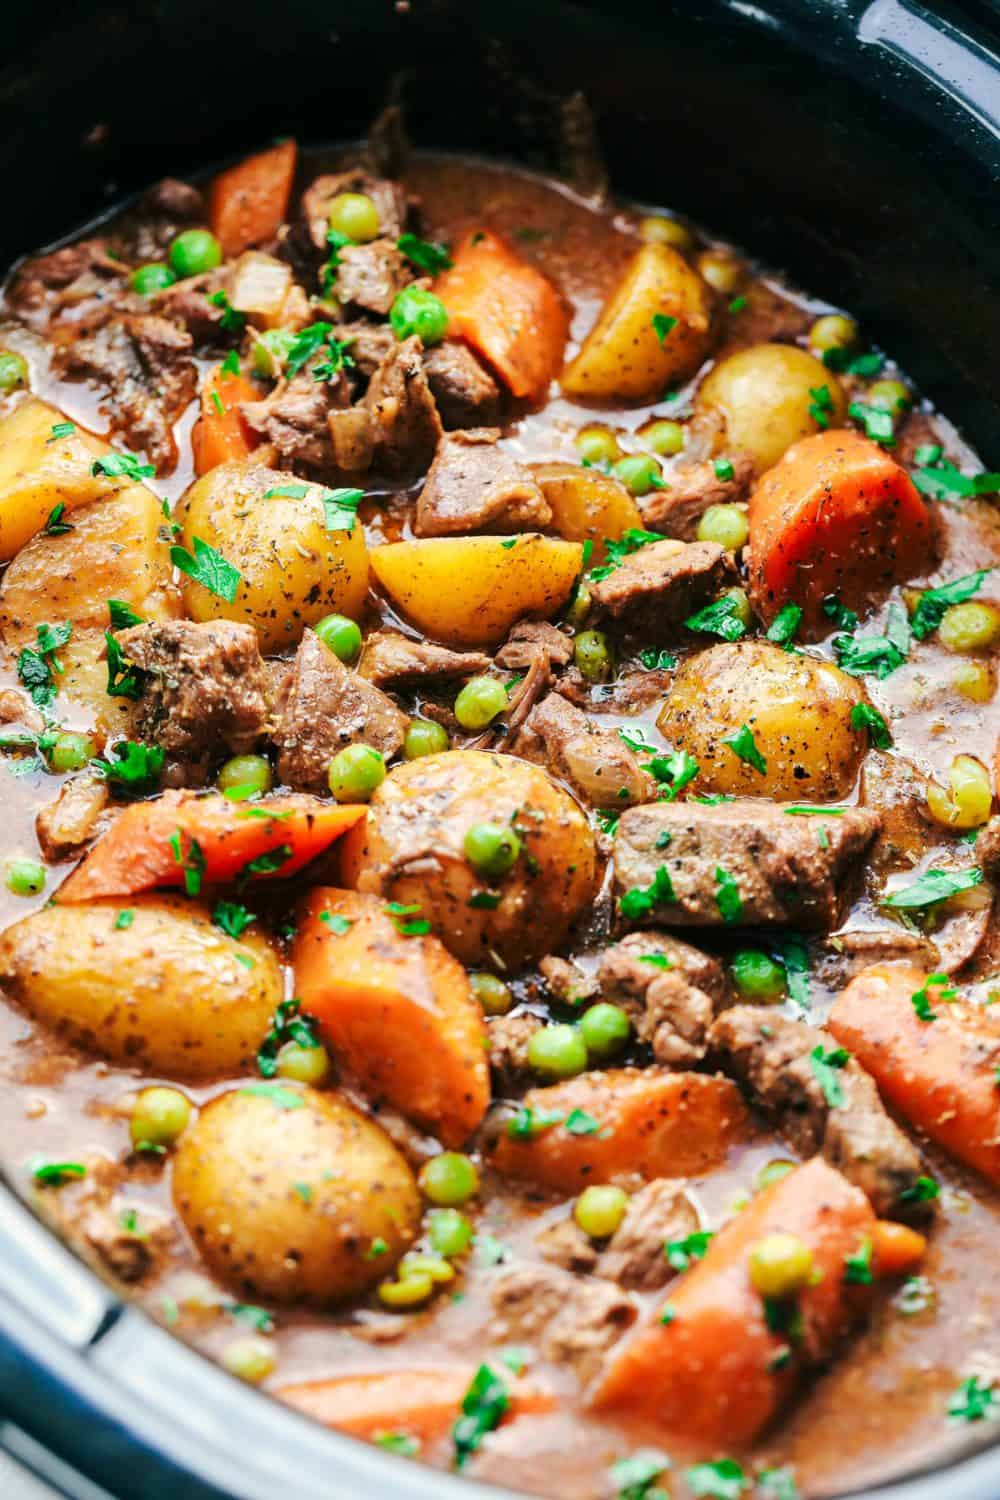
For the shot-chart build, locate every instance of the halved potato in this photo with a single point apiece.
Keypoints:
(769, 397)
(629, 354)
(468, 591)
(587, 505)
(271, 526)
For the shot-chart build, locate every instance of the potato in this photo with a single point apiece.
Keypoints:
(797, 708)
(764, 394)
(469, 590)
(39, 472)
(293, 570)
(587, 505)
(624, 357)
(167, 994)
(115, 551)
(410, 849)
(294, 1196)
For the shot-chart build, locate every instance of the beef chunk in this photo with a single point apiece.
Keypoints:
(677, 508)
(65, 826)
(894, 788)
(205, 685)
(566, 981)
(145, 361)
(393, 660)
(371, 276)
(596, 762)
(466, 394)
(189, 303)
(294, 418)
(388, 197)
(851, 951)
(474, 485)
(83, 269)
(659, 1213)
(405, 418)
(508, 1038)
(567, 1320)
(987, 849)
(174, 200)
(775, 1059)
(369, 343)
(327, 707)
(670, 990)
(565, 1244)
(655, 589)
(531, 638)
(782, 872)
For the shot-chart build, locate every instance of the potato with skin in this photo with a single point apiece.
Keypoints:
(169, 993)
(764, 395)
(292, 1195)
(629, 357)
(469, 590)
(587, 505)
(411, 849)
(797, 708)
(294, 570)
(39, 471)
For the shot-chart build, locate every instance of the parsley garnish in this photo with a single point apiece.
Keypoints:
(269, 861)
(821, 405)
(842, 617)
(638, 903)
(858, 1267)
(135, 765)
(305, 345)
(528, 1122)
(616, 549)
(680, 1253)
(340, 508)
(877, 654)
(921, 998)
(932, 604)
(483, 1408)
(924, 1190)
(777, 1484)
(60, 430)
(841, 360)
(826, 1067)
(485, 900)
(209, 568)
(55, 1173)
(416, 927)
(398, 1442)
(123, 681)
(656, 960)
(877, 422)
(38, 664)
(192, 863)
(721, 617)
(663, 325)
(633, 1476)
(744, 746)
(122, 615)
(933, 886)
(231, 320)
(278, 1095)
(673, 773)
(430, 257)
(722, 1480)
(123, 920)
(804, 810)
(607, 821)
(121, 465)
(579, 1122)
(257, 1318)
(942, 481)
(336, 921)
(231, 363)
(55, 525)
(783, 627)
(737, 304)
(657, 661)
(232, 918)
(727, 896)
(973, 1402)
(863, 716)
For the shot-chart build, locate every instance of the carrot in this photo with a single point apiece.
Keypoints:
(507, 311)
(896, 1248)
(220, 433)
(396, 1008)
(602, 1126)
(247, 203)
(422, 1404)
(707, 1365)
(182, 839)
(941, 1075)
(836, 515)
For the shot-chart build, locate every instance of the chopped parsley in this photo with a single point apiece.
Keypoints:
(826, 1068)
(401, 1443)
(805, 810)
(123, 681)
(37, 665)
(579, 1122)
(638, 903)
(924, 1190)
(777, 1484)
(656, 960)
(60, 430)
(877, 422)
(858, 1266)
(634, 1476)
(257, 1318)
(416, 926)
(528, 1122)
(306, 344)
(973, 1401)
(485, 900)
(231, 363)
(932, 604)
(744, 747)
(821, 405)
(616, 549)
(681, 1253)
(941, 480)
(377, 1248)
(783, 628)
(607, 821)
(287, 492)
(336, 921)
(425, 254)
(722, 1480)
(721, 617)
(663, 325)
(230, 322)
(209, 568)
(727, 896)
(340, 509)
(842, 617)
(842, 361)
(192, 864)
(122, 615)
(483, 1407)
(121, 466)
(124, 919)
(266, 863)
(232, 918)
(738, 304)
(933, 886)
(135, 765)
(657, 661)
(55, 1173)
(55, 525)
(877, 654)
(276, 1094)
(795, 957)
(673, 772)
(863, 716)
(921, 999)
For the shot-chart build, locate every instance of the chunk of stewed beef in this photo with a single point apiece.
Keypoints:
(635, 1255)
(475, 485)
(654, 589)
(596, 762)
(670, 990)
(567, 1320)
(388, 197)
(820, 1099)
(677, 508)
(294, 418)
(393, 660)
(370, 277)
(466, 394)
(742, 863)
(406, 425)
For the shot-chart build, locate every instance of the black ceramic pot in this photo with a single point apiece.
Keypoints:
(855, 144)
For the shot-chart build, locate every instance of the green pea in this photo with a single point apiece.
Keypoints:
(303, 1064)
(194, 252)
(890, 395)
(833, 331)
(557, 1051)
(579, 607)
(449, 1231)
(159, 1117)
(481, 700)
(424, 737)
(355, 215)
(13, 370)
(154, 277)
(772, 1171)
(725, 524)
(756, 973)
(245, 776)
(663, 436)
(449, 1179)
(25, 877)
(416, 311)
(597, 445)
(600, 1210)
(250, 1359)
(780, 1265)
(71, 752)
(342, 636)
(270, 350)
(355, 772)
(491, 849)
(605, 1029)
(592, 656)
(493, 995)
(639, 472)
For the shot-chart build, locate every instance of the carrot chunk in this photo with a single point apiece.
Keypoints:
(836, 515)
(220, 433)
(185, 840)
(716, 1361)
(247, 202)
(940, 1074)
(601, 1126)
(897, 1248)
(507, 311)
(396, 1007)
